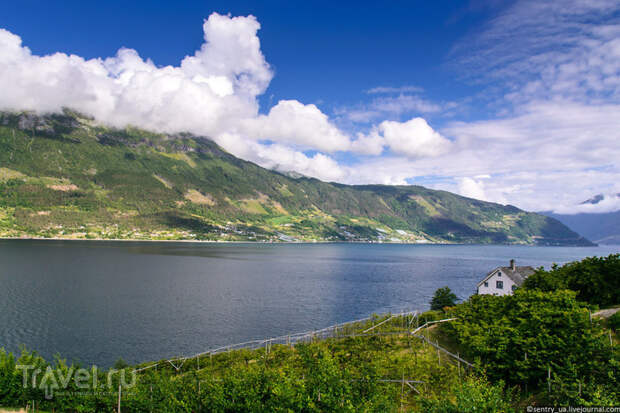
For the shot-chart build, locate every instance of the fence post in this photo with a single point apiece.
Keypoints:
(119, 398)
(402, 391)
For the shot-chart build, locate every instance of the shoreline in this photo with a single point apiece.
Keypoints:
(283, 242)
(227, 242)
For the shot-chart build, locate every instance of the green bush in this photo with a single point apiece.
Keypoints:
(431, 316)
(444, 297)
(595, 279)
(472, 395)
(520, 338)
(613, 322)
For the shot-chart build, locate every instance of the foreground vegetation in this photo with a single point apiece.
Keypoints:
(540, 346)
(66, 176)
(543, 339)
(365, 372)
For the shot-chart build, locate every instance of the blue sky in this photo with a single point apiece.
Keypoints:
(508, 101)
(322, 53)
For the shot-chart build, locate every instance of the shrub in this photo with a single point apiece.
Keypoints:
(613, 322)
(472, 395)
(444, 297)
(519, 337)
(595, 279)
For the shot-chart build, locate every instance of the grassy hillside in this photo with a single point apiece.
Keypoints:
(65, 175)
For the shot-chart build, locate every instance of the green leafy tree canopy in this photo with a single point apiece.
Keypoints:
(444, 297)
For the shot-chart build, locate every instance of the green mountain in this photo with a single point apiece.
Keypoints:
(67, 176)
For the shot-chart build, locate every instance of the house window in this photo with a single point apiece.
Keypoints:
(514, 287)
(499, 285)
(499, 273)
(486, 284)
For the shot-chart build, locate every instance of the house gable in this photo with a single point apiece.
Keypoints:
(496, 283)
(504, 280)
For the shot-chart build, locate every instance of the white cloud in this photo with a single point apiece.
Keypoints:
(212, 92)
(537, 49)
(472, 189)
(371, 144)
(609, 203)
(556, 73)
(389, 107)
(295, 123)
(282, 158)
(557, 140)
(206, 94)
(414, 138)
(389, 89)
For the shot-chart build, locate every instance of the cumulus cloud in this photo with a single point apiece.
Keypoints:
(295, 123)
(207, 93)
(414, 138)
(371, 144)
(472, 188)
(212, 92)
(282, 158)
(556, 74)
(555, 70)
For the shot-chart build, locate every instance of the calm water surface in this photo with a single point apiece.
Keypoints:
(98, 301)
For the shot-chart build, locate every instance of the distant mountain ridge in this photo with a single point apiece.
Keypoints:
(602, 228)
(597, 199)
(66, 176)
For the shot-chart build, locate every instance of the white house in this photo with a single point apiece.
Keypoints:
(504, 280)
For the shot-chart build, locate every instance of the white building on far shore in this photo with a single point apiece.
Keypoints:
(504, 280)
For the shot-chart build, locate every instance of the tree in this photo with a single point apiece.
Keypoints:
(443, 297)
(595, 279)
(524, 337)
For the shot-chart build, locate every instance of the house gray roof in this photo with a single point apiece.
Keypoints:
(518, 275)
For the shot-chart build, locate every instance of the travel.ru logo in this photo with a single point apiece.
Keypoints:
(65, 380)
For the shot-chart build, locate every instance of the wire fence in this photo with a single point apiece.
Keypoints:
(404, 324)
(363, 327)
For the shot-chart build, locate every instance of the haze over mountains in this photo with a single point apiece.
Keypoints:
(67, 176)
(600, 227)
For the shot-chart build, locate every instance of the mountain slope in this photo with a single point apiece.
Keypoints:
(603, 228)
(64, 175)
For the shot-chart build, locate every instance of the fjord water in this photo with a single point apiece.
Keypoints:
(95, 301)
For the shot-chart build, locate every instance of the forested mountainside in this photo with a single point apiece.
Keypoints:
(67, 176)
